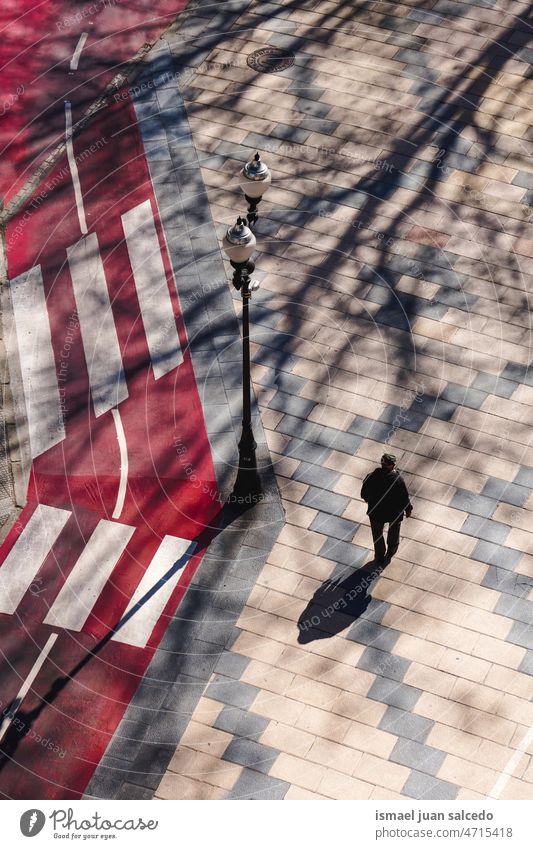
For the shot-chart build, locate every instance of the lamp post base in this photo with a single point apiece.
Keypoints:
(247, 488)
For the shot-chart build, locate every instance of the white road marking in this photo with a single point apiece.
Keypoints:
(73, 167)
(157, 588)
(121, 436)
(22, 693)
(510, 767)
(37, 361)
(77, 53)
(98, 332)
(28, 553)
(152, 289)
(89, 576)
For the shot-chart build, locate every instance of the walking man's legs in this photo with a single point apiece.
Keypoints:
(379, 542)
(393, 538)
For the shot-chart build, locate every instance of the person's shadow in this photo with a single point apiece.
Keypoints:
(337, 604)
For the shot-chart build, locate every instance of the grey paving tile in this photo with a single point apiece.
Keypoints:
(463, 396)
(417, 756)
(133, 791)
(334, 526)
(231, 664)
(521, 634)
(250, 754)
(511, 493)
(527, 664)
(525, 477)
(298, 135)
(301, 449)
(392, 693)
(255, 785)
(511, 583)
(471, 502)
(515, 608)
(231, 692)
(369, 429)
(283, 380)
(383, 663)
(372, 634)
(494, 385)
(344, 552)
(496, 555)
(291, 404)
(482, 528)
(523, 178)
(376, 610)
(419, 786)
(518, 373)
(316, 475)
(240, 722)
(406, 724)
(325, 501)
(437, 408)
(319, 125)
(425, 17)
(458, 299)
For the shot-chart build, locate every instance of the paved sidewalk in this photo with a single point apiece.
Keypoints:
(396, 254)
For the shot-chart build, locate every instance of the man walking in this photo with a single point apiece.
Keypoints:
(386, 494)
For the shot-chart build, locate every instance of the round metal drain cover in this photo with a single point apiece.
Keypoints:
(270, 60)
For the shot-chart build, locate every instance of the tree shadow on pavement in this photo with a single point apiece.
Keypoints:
(22, 722)
(337, 604)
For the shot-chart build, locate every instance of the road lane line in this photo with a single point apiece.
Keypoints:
(22, 693)
(89, 576)
(73, 167)
(37, 362)
(123, 448)
(28, 554)
(152, 289)
(156, 586)
(510, 767)
(77, 53)
(97, 324)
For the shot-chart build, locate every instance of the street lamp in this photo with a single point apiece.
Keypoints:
(255, 178)
(238, 245)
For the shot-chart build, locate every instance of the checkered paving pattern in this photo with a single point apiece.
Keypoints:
(396, 257)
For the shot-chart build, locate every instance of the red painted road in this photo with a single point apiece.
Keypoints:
(84, 686)
(38, 39)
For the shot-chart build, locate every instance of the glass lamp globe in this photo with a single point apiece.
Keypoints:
(255, 178)
(239, 242)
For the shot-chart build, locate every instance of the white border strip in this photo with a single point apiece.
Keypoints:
(73, 167)
(34, 671)
(77, 53)
(510, 766)
(121, 436)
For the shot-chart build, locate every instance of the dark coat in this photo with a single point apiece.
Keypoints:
(386, 495)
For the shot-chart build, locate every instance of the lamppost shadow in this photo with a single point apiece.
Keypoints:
(338, 604)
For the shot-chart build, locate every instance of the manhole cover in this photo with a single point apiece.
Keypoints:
(270, 60)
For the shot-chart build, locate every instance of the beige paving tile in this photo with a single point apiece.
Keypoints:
(324, 724)
(298, 771)
(206, 711)
(277, 707)
(287, 739)
(334, 755)
(465, 718)
(204, 738)
(467, 774)
(295, 793)
(180, 787)
(203, 767)
(516, 790)
(335, 785)
(267, 677)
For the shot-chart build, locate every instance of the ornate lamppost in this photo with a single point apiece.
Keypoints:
(255, 178)
(238, 245)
